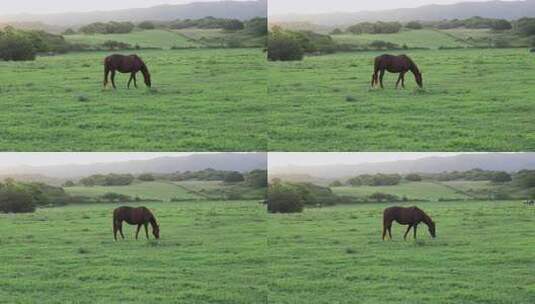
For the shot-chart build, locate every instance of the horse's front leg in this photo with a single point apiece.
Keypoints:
(113, 79)
(137, 231)
(130, 80)
(115, 230)
(399, 80)
(121, 230)
(407, 232)
(135, 80)
(106, 73)
(146, 231)
(403, 80)
(415, 226)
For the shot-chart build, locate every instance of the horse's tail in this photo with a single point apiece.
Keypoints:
(375, 75)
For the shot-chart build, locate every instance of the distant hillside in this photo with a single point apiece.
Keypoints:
(490, 9)
(221, 9)
(223, 161)
(491, 161)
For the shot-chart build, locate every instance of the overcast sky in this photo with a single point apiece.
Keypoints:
(8, 160)
(335, 158)
(281, 7)
(10, 7)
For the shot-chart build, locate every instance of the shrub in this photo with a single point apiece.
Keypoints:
(233, 25)
(16, 47)
(501, 177)
(111, 27)
(414, 25)
(413, 177)
(383, 197)
(284, 199)
(375, 28)
(13, 200)
(284, 47)
(257, 178)
(113, 197)
(146, 177)
(146, 25)
(526, 26)
(233, 177)
(336, 184)
(337, 31)
(257, 26)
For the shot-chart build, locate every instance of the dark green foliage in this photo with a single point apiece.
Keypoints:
(69, 31)
(284, 199)
(116, 45)
(283, 46)
(108, 180)
(111, 27)
(146, 25)
(501, 25)
(15, 200)
(414, 25)
(375, 180)
(112, 197)
(380, 197)
(257, 26)
(337, 31)
(525, 179)
(375, 28)
(69, 183)
(257, 178)
(201, 175)
(526, 26)
(233, 25)
(383, 45)
(16, 46)
(501, 177)
(336, 184)
(413, 177)
(147, 177)
(233, 177)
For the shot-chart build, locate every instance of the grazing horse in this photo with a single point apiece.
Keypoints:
(411, 216)
(134, 216)
(395, 64)
(529, 202)
(125, 64)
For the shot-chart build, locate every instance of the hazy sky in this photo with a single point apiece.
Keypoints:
(318, 159)
(9, 7)
(8, 160)
(280, 7)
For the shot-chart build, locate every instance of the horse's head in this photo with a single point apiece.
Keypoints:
(432, 230)
(419, 79)
(146, 77)
(156, 231)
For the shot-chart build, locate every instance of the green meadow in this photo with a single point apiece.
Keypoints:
(201, 100)
(473, 100)
(483, 253)
(208, 252)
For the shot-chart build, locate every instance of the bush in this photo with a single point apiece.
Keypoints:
(233, 25)
(146, 25)
(111, 27)
(14, 200)
(146, 177)
(526, 26)
(234, 177)
(257, 26)
(113, 197)
(257, 178)
(15, 46)
(414, 25)
(284, 47)
(501, 177)
(413, 177)
(375, 28)
(336, 184)
(383, 197)
(284, 199)
(107, 180)
(337, 31)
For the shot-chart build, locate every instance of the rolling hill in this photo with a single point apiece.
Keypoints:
(489, 9)
(220, 9)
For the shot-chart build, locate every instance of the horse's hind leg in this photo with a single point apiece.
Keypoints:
(414, 230)
(137, 231)
(403, 80)
(390, 231)
(399, 80)
(115, 230)
(135, 80)
(106, 73)
(121, 230)
(407, 232)
(381, 78)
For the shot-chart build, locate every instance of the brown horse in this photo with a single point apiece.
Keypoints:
(411, 216)
(134, 216)
(395, 64)
(125, 64)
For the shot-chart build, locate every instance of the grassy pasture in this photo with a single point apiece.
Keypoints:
(202, 100)
(165, 39)
(474, 100)
(425, 38)
(156, 190)
(483, 253)
(219, 190)
(413, 191)
(208, 253)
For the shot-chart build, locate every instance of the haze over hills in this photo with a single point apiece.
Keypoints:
(242, 162)
(509, 162)
(242, 10)
(490, 9)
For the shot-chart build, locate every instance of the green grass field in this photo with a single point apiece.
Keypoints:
(157, 190)
(165, 39)
(207, 253)
(413, 191)
(425, 38)
(483, 253)
(202, 100)
(474, 100)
